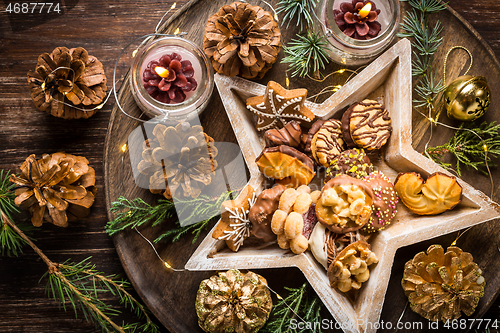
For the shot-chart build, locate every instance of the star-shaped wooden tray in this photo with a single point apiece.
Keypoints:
(388, 78)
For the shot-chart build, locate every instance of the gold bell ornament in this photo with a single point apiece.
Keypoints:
(468, 97)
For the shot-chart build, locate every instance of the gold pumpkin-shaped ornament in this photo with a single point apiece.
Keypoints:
(467, 98)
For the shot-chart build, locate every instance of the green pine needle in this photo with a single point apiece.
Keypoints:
(468, 149)
(135, 213)
(80, 285)
(427, 6)
(298, 10)
(307, 306)
(305, 54)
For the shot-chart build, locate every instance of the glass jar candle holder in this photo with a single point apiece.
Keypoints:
(354, 52)
(195, 101)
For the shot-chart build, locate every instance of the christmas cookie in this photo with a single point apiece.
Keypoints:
(436, 195)
(345, 204)
(262, 211)
(366, 125)
(234, 226)
(294, 220)
(290, 135)
(327, 143)
(352, 162)
(350, 269)
(278, 106)
(310, 135)
(385, 200)
(286, 164)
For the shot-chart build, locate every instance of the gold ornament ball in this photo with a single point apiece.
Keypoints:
(467, 98)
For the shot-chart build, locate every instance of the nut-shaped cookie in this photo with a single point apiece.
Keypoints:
(261, 213)
(344, 204)
(286, 164)
(436, 195)
(350, 269)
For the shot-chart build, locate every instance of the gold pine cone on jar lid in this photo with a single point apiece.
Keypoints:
(467, 98)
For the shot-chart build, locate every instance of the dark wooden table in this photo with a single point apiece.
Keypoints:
(103, 28)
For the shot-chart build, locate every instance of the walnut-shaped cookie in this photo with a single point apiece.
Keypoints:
(262, 211)
(234, 226)
(436, 195)
(366, 125)
(345, 204)
(278, 106)
(350, 269)
(287, 165)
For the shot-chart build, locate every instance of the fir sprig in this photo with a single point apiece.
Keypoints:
(135, 213)
(305, 54)
(468, 149)
(11, 243)
(425, 41)
(298, 302)
(298, 10)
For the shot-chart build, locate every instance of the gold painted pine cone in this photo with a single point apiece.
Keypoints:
(441, 285)
(179, 161)
(84, 86)
(233, 302)
(242, 39)
(56, 188)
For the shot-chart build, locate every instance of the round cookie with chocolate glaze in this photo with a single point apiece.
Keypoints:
(385, 201)
(345, 204)
(352, 162)
(366, 125)
(261, 213)
(310, 135)
(327, 143)
(290, 135)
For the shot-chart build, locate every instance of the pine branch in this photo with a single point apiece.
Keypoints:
(305, 54)
(11, 243)
(298, 302)
(298, 10)
(427, 6)
(135, 213)
(468, 149)
(80, 285)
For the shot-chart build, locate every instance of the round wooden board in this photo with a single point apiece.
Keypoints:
(171, 296)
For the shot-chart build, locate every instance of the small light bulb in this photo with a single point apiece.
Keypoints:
(173, 5)
(485, 147)
(167, 265)
(177, 31)
(134, 53)
(340, 71)
(287, 81)
(124, 147)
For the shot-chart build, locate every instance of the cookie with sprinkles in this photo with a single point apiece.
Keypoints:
(385, 201)
(366, 125)
(352, 162)
(278, 106)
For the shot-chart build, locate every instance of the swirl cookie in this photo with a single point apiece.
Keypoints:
(327, 142)
(366, 125)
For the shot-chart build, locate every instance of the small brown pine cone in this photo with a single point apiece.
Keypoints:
(54, 87)
(56, 188)
(440, 286)
(242, 39)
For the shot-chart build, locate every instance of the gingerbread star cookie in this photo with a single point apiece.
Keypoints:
(278, 106)
(234, 226)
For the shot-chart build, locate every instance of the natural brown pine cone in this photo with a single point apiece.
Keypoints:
(55, 188)
(84, 86)
(180, 160)
(242, 39)
(441, 285)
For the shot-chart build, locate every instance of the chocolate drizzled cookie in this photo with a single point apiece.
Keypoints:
(366, 125)
(290, 135)
(327, 142)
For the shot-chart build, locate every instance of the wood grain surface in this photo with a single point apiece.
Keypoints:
(104, 28)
